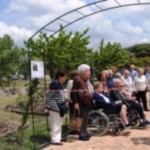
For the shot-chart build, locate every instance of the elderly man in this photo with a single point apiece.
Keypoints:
(117, 94)
(81, 95)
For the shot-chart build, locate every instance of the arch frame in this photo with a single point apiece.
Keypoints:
(68, 23)
(97, 3)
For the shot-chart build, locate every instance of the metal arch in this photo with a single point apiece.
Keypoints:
(95, 13)
(83, 15)
(74, 10)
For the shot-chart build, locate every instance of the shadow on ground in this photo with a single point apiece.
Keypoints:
(141, 140)
(39, 139)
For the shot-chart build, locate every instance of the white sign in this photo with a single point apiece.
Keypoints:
(37, 69)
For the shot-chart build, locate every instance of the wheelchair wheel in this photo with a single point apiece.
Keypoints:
(133, 117)
(116, 131)
(99, 122)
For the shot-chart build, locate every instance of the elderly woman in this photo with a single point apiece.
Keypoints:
(133, 72)
(73, 74)
(110, 78)
(102, 77)
(127, 82)
(81, 96)
(108, 105)
(140, 84)
(54, 97)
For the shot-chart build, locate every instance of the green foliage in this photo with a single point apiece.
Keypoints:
(6, 45)
(9, 59)
(140, 53)
(140, 50)
(67, 50)
(110, 54)
(139, 62)
(26, 105)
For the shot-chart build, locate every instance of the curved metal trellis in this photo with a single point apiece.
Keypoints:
(75, 15)
(99, 6)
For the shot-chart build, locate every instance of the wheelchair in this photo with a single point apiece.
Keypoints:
(132, 114)
(133, 117)
(100, 122)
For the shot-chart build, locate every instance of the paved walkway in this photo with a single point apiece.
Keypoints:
(130, 139)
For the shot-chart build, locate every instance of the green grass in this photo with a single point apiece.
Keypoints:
(24, 83)
(40, 133)
(7, 115)
(27, 144)
(40, 125)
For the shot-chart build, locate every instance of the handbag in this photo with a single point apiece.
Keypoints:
(75, 123)
(63, 109)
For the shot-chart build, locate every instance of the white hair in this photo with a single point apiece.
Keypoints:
(83, 67)
(126, 71)
(110, 71)
(116, 81)
(118, 74)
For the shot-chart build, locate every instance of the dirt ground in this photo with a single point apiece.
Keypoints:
(129, 139)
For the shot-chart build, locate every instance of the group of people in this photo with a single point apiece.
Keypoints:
(136, 83)
(115, 92)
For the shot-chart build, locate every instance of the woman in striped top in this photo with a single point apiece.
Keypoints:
(55, 95)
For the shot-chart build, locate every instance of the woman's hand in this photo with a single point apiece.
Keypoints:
(46, 111)
(118, 102)
(76, 106)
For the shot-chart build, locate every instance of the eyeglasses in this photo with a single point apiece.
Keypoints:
(120, 85)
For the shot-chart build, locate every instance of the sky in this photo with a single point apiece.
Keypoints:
(127, 25)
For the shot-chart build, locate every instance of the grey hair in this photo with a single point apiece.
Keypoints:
(126, 71)
(140, 69)
(116, 80)
(83, 67)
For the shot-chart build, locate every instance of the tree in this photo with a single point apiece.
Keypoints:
(9, 58)
(66, 50)
(139, 62)
(6, 44)
(140, 50)
(110, 54)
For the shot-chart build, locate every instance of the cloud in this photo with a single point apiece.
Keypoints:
(21, 19)
(127, 28)
(43, 7)
(146, 26)
(144, 40)
(18, 34)
(126, 25)
(37, 13)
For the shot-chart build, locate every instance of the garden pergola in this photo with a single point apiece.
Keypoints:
(78, 14)
(75, 15)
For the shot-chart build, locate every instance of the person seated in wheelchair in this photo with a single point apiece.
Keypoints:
(117, 94)
(108, 105)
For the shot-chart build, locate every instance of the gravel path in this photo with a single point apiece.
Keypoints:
(130, 139)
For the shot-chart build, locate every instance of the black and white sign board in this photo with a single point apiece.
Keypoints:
(37, 69)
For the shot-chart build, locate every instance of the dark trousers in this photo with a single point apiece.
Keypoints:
(71, 110)
(141, 95)
(84, 115)
(137, 107)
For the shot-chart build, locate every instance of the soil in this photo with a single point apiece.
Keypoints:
(135, 138)
(129, 139)
(7, 127)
